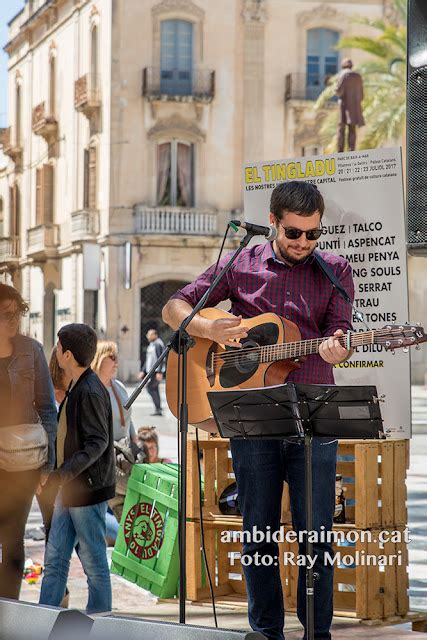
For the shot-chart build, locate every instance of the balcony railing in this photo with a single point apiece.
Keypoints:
(43, 240)
(44, 124)
(198, 84)
(175, 221)
(10, 148)
(9, 250)
(297, 87)
(87, 93)
(84, 225)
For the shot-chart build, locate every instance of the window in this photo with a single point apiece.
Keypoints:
(18, 116)
(1, 219)
(322, 60)
(175, 180)
(94, 58)
(176, 57)
(44, 194)
(90, 178)
(52, 86)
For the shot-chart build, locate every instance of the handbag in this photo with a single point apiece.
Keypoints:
(23, 447)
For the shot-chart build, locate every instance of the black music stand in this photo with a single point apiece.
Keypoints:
(300, 411)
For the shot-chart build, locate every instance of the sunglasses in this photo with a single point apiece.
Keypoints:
(293, 234)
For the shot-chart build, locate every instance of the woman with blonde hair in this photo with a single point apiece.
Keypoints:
(105, 365)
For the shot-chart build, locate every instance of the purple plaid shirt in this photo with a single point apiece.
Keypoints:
(260, 283)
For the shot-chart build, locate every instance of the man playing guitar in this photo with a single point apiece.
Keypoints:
(281, 277)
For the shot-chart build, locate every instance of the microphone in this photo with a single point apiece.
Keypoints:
(256, 229)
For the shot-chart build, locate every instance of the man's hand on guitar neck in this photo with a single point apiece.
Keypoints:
(331, 350)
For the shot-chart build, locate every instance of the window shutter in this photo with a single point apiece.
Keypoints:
(86, 179)
(92, 178)
(39, 196)
(12, 211)
(48, 194)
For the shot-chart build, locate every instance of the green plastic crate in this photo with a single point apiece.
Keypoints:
(146, 549)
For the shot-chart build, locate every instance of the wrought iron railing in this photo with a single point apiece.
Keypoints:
(299, 87)
(197, 83)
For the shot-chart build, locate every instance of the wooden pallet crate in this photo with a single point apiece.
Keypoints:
(226, 571)
(366, 592)
(217, 471)
(374, 478)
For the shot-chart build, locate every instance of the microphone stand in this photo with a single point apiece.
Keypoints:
(181, 342)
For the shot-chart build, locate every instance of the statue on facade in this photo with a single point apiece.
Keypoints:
(349, 90)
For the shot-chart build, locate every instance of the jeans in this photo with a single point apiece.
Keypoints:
(112, 525)
(260, 467)
(154, 393)
(16, 496)
(84, 526)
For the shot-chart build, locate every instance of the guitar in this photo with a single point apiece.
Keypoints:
(271, 350)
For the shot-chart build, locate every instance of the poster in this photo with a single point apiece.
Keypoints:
(364, 222)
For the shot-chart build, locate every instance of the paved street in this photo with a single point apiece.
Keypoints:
(132, 600)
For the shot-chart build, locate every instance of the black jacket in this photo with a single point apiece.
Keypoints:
(87, 475)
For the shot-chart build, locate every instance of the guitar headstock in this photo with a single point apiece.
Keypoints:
(394, 336)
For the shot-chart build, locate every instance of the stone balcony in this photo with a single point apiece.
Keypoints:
(43, 241)
(11, 148)
(84, 225)
(175, 221)
(10, 251)
(44, 124)
(197, 85)
(87, 95)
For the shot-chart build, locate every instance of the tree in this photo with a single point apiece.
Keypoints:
(384, 76)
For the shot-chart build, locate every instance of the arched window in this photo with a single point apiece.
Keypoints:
(176, 57)
(18, 123)
(322, 59)
(153, 299)
(175, 174)
(52, 86)
(94, 57)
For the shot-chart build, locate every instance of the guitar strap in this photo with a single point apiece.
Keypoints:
(327, 271)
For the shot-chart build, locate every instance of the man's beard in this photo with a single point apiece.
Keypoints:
(290, 259)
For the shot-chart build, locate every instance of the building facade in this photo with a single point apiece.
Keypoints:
(129, 123)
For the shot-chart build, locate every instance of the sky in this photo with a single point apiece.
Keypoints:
(8, 9)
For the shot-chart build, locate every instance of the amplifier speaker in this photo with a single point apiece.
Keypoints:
(417, 128)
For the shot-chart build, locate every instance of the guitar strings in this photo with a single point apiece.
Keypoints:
(230, 359)
(292, 345)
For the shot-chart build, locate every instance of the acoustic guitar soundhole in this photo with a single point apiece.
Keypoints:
(241, 364)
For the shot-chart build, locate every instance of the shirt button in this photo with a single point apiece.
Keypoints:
(287, 317)
(288, 293)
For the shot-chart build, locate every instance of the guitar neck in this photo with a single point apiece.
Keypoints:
(273, 352)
